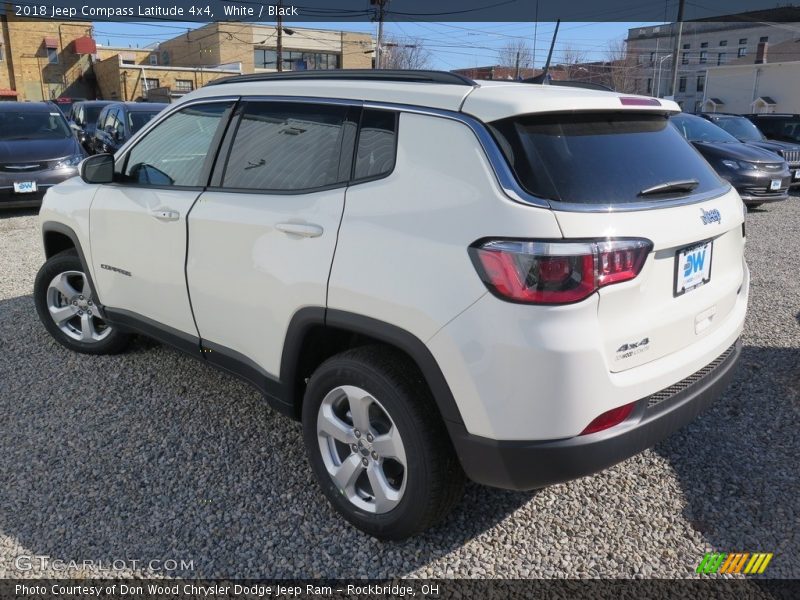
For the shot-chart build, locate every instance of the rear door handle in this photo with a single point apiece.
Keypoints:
(166, 214)
(301, 229)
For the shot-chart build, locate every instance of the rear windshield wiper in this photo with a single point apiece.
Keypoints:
(684, 185)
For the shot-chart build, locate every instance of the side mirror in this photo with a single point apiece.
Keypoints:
(98, 169)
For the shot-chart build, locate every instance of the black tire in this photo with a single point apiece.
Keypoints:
(434, 480)
(112, 342)
(754, 205)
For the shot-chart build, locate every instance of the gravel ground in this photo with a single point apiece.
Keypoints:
(150, 456)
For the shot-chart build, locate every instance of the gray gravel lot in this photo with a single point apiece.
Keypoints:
(151, 456)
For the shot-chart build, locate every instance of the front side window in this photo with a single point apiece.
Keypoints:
(286, 147)
(375, 155)
(600, 158)
(140, 118)
(175, 151)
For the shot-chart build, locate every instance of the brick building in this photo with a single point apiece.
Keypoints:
(255, 46)
(42, 59)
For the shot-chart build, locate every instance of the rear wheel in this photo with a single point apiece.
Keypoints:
(377, 444)
(67, 308)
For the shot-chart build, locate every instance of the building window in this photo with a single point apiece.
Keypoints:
(128, 61)
(742, 52)
(294, 60)
(685, 58)
(704, 45)
(649, 85)
(723, 43)
(52, 56)
(150, 83)
(764, 39)
(154, 59)
(703, 57)
(184, 85)
(721, 58)
(742, 41)
(701, 83)
(1, 52)
(687, 46)
(698, 106)
(652, 57)
(682, 84)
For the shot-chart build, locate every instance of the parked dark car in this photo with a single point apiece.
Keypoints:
(746, 131)
(776, 126)
(758, 175)
(83, 119)
(37, 150)
(119, 121)
(65, 104)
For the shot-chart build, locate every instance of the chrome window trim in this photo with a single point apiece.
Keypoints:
(503, 173)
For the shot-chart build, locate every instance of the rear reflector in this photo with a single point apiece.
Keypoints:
(556, 272)
(634, 101)
(609, 419)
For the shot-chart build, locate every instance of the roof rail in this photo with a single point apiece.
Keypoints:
(409, 76)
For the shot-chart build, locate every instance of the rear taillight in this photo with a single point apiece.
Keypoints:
(609, 419)
(556, 272)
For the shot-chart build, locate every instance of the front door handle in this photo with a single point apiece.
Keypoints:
(166, 214)
(301, 229)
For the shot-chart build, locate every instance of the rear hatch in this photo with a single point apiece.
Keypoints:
(612, 175)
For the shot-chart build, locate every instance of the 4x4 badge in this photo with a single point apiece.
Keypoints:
(711, 216)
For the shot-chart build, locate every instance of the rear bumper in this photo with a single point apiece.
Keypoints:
(525, 465)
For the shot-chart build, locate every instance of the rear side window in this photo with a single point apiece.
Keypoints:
(601, 158)
(377, 138)
(287, 147)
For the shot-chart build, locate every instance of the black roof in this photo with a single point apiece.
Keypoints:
(141, 106)
(32, 107)
(409, 76)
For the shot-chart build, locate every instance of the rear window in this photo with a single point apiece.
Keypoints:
(785, 129)
(601, 158)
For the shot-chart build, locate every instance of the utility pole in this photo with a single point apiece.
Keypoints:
(516, 75)
(381, 4)
(279, 45)
(676, 49)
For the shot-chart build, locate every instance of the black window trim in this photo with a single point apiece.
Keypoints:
(121, 163)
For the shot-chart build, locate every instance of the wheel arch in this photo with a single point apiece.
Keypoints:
(315, 334)
(57, 238)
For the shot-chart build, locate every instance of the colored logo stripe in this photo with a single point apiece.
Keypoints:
(721, 562)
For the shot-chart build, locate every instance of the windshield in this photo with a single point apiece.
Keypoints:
(33, 125)
(741, 128)
(137, 120)
(696, 129)
(601, 158)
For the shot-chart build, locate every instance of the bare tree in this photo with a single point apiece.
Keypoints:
(622, 66)
(405, 53)
(516, 54)
(571, 58)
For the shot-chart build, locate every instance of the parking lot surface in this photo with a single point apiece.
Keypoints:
(150, 456)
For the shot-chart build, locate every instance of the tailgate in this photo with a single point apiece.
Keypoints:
(650, 317)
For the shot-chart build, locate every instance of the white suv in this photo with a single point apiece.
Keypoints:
(519, 283)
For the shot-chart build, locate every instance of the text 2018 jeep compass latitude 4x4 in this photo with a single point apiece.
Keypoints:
(518, 283)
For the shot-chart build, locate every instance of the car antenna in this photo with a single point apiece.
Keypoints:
(542, 77)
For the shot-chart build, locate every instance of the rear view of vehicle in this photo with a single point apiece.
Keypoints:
(37, 151)
(596, 345)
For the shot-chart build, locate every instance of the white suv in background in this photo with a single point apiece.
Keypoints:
(519, 283)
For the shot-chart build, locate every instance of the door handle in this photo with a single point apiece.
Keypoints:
(166, 214)
(301, 229)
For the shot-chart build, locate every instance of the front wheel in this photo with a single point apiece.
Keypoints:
(377, 444)
(68, 309)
